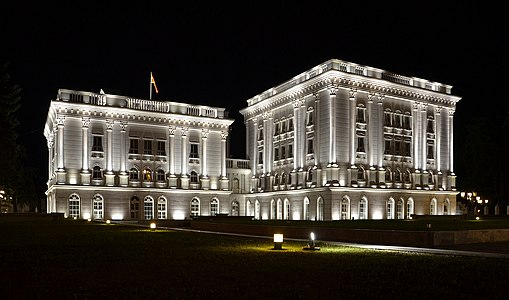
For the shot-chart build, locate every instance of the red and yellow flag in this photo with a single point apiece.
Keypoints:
(153, 81)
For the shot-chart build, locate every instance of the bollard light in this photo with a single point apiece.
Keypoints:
(153, 226)
(278, 241)
(311, 245)
(108, 221)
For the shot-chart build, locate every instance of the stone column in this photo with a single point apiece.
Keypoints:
(110, 177)
(332, 129)
(60, 143)
(50, 156)
(85, 168)
(296, 138)
(452, 176)
(84, 145)
(172, 180)
(183, 174)
(205, 180)
(123, 176)
(317, 130)
(438, 128)
(416, 135)
(353, 120)
(369, 135)
(254, 150)
(380, 138)
(61, 173)
(424, 142)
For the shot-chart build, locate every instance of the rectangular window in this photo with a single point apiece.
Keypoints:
(290, 151)
(431, 150)
(310, 146)
(97, 143)
(290, 124)
(407, 148)
(283, 153)
(260, 157)
(147, 147)
(276, 129)
(133, 146)
(276, 154)
(388, 147)
(161, 148)
(194, 151)
(397, 147)
(360, 144)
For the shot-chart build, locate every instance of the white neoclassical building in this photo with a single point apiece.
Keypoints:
(339, 141)
(346, 141)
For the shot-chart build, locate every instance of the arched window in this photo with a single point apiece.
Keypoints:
(135, 207)
(406, 176)
(305, 210)
(97, 173)
(214, 207)
(345, 208)
(397, 175)
(310, 175)
(319, 209)
(133, 174)
(97, 206)
(147, 174)
(400, 209)
(363, 208)
(409, 208)
(390, 208)
(447, 205)
(148, 208)
(279, 209)
(235, 208)
(361, 174)
(160, 175)
(74, 206)
(433, 207)
(236, 185)
(249, 209)
(195, 207)
(194, 177)
(276, 179)
(161, 208)
(286, 211)
(388, 175)
(257, 210)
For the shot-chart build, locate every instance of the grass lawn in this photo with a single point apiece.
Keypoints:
(72, 259)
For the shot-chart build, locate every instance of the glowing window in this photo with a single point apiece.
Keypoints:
(74, 206)
(97, 204)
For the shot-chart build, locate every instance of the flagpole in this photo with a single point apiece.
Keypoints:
(150, 84)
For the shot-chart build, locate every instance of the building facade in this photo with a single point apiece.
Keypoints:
(338, 142)
(343, 141)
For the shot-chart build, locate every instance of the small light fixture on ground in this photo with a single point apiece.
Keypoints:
(108, 221)
(153, 226)
(278, 241)
(311, 245)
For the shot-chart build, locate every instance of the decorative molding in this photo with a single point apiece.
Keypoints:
(123, 125)
(85, 122)
(204, 133)
(171, 130)
(60, 120)
(109, 124)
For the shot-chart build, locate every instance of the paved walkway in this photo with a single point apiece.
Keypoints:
(496, 250)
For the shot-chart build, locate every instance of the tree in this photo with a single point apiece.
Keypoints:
(15, 180)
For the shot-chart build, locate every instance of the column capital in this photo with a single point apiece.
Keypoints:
(371, 96)
(352, 93)
(123, 125)
(224, 135)
(204, 133)
(267, 115)
(184, 130)
(60, 120)
(109, 124)
(171, 130)
(85, 122)
(451, 112)
(317, 96)
(380, 98)
(438, 110)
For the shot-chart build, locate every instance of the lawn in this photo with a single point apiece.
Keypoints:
(74, 259)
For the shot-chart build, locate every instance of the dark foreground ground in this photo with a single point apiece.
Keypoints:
(70, 259)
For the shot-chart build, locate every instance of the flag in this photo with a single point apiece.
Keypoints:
(153, 81)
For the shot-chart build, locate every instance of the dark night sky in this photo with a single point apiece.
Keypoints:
(221, 55)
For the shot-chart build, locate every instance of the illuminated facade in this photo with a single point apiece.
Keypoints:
(114, 157)
(345, 141)
(338, 142)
